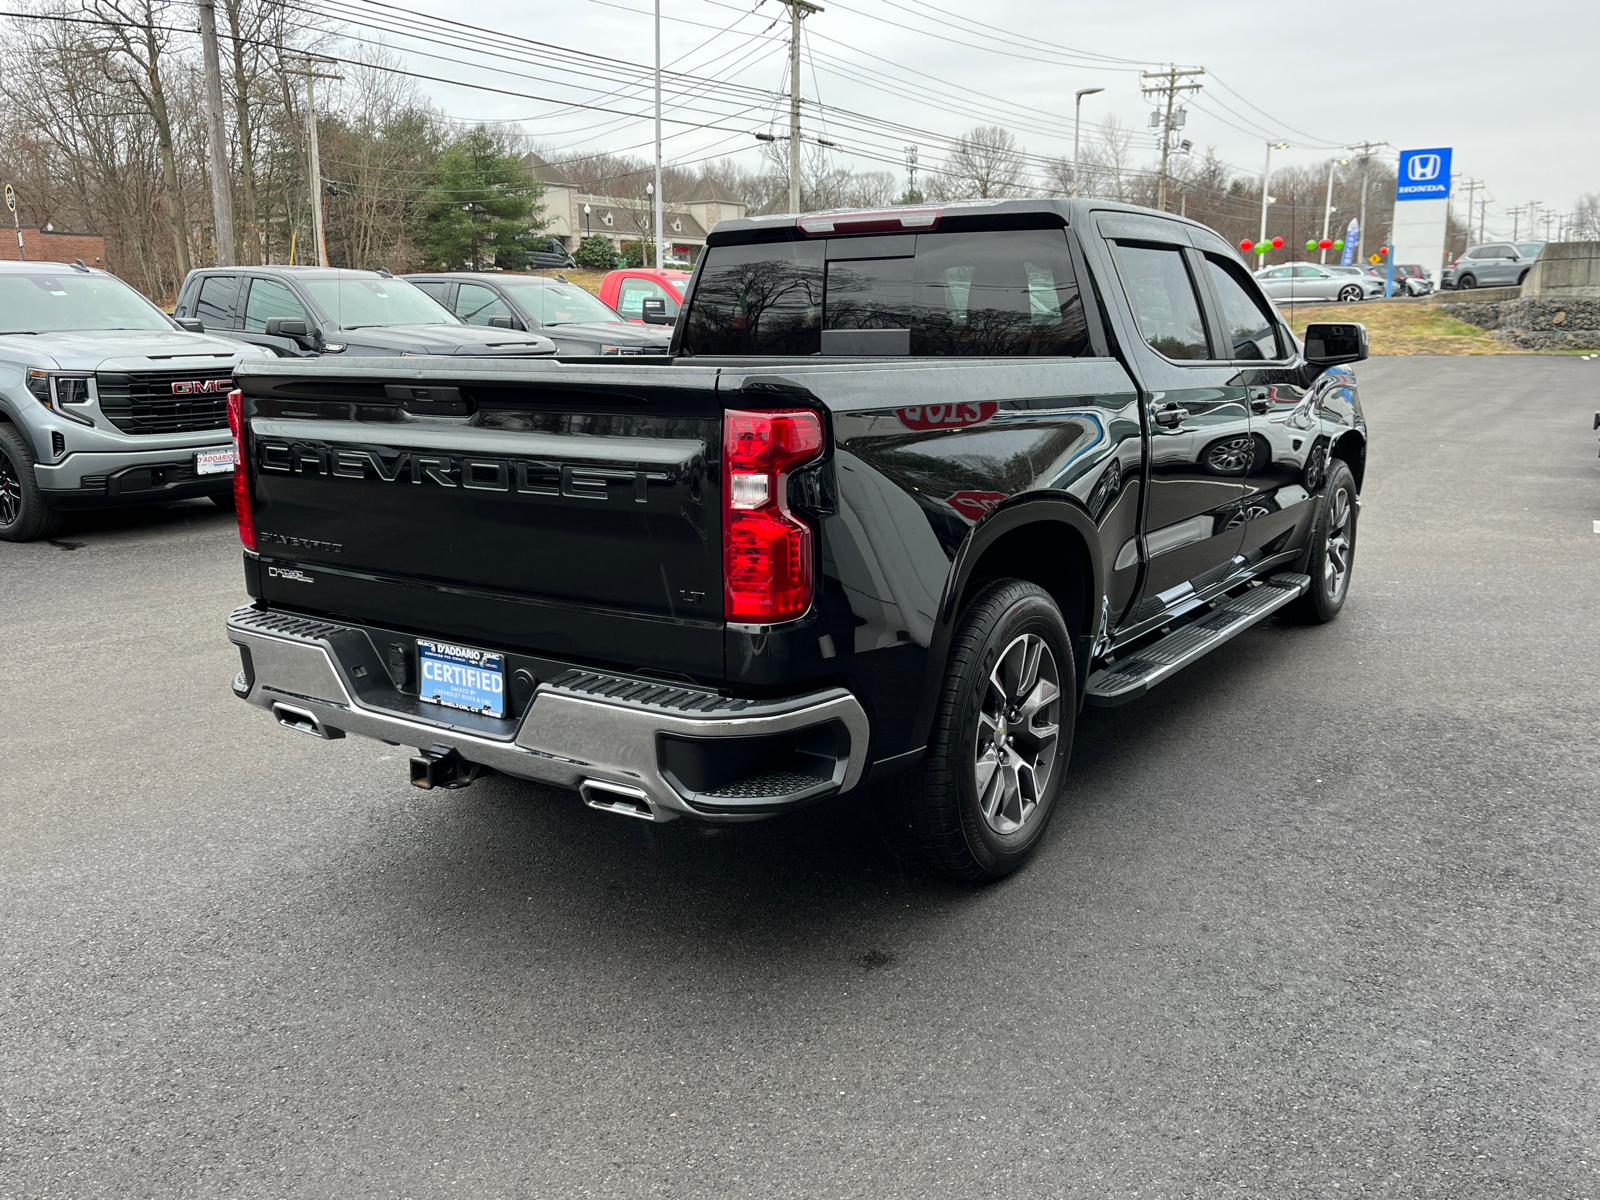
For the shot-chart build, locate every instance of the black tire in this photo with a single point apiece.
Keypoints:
(936, 810)
(1466, 283)
(25, 515)
(1333, 539)
(1521, 277)
(1350, 293)
(223, 500)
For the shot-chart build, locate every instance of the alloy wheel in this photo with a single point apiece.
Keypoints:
(1350, 294)
(1232, 456)
(1340, 543)
(10, 492)
(1018, 734)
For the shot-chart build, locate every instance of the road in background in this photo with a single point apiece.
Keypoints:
(1317, 917)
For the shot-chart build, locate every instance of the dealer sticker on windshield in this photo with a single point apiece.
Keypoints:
(459, 677)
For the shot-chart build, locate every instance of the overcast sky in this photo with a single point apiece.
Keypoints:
(1512, 90)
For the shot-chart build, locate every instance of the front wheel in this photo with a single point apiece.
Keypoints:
(1332, 554)
(1466, 283)
(1349, 294)
(977, 805)
(25, 515)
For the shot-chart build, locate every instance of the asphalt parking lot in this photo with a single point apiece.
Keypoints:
(1318, 919)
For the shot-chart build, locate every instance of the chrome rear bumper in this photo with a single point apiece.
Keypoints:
(581, 727)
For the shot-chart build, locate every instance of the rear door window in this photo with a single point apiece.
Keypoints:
(268, 299)
(1247, 321)
(214, 305)
(1164, 300)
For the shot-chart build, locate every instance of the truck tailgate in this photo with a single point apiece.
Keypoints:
(560, 510)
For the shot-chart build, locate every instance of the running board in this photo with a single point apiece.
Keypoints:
(1135, 675)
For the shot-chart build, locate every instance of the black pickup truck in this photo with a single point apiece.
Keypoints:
(911, 487)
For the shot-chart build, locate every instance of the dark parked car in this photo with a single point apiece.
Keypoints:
(552, 256)
(565, 313)
(916, 484)
(307, 312)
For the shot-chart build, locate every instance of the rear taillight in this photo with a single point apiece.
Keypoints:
(766, 548)
(241, 478)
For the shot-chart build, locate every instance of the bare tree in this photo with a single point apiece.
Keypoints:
(985, 163)
(1586, 218)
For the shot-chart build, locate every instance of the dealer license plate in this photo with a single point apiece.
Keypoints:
(213, 462)
(460, 677)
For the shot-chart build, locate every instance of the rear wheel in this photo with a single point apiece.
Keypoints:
(977, 805)
(1521, 277)
(1466, 283)
(1349, 293)
(1332, 554)
(25, 515)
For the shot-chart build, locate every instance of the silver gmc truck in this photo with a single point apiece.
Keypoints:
(104, 399)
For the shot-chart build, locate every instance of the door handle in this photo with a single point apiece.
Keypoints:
(1169, 416)
(1260, 405)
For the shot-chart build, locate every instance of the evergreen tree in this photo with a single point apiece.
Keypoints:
(484, 208)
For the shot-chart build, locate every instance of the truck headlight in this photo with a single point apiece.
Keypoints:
(65, 394)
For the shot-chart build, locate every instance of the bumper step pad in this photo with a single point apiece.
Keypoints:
(1135, 675)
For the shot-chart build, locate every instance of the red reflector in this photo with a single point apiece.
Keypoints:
(766, 548)
(878, 220)
(241, 479)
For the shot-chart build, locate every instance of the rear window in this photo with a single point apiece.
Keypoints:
(998, 293)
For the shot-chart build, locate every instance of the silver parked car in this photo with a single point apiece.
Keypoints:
(1494, 264)
(1312, 281)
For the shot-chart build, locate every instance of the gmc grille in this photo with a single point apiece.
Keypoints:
(145, 403)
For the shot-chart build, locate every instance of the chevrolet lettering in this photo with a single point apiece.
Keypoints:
(912, 487)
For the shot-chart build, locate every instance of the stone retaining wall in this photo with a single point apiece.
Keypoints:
(1572, 323)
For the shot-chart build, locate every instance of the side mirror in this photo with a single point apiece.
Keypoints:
(287, 327)
(190, 324)
(1328, 343)
(655, 311)
(501, 323)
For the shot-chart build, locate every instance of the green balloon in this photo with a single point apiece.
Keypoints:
(1311, 245)
(1263, 247)
(1339, 244)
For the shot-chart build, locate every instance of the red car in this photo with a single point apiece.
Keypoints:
(627, 290)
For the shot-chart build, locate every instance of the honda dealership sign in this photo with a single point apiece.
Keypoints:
(1424, 175)
(1418, 232)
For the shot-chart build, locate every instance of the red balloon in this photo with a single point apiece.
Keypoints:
(1245, 245)
(1277, 243)
(1325, 244)
(1383, 250)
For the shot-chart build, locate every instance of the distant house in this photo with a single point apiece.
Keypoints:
(48, 245)
(685, 220)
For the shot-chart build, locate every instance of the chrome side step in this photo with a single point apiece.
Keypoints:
(1135, 675)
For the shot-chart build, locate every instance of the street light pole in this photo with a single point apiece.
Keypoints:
(1266, 171)
(661, 258)
(1077, 113)
(1327, 201)
(586, 220)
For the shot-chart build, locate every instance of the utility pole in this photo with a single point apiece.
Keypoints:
(1266, 173)
(1168, 85)
(312, 76)
(911, 172)
(1471, 187)
(798, 11)
(661, 249)
(1364, 149)
(1327, 201)
(217, 136)
(1483, 217)
(1077, 113)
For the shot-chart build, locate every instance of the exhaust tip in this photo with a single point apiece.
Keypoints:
(301, 721)
(617, 798)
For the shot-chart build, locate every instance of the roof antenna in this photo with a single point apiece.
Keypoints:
(385, 272)
(78, 265)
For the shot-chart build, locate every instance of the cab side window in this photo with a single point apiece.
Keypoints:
(1247, 322)
(475, 304)
(1164, 300)
(435, 288)
(214, 306)
(268, 299)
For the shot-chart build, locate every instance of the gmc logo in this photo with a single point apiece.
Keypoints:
(196, 387)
